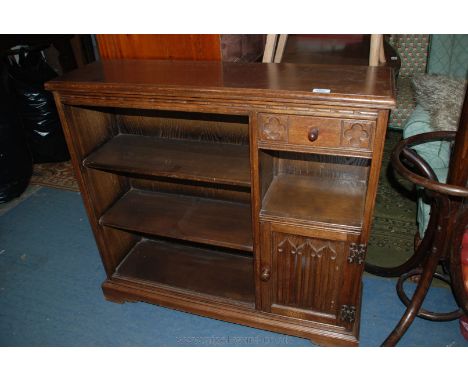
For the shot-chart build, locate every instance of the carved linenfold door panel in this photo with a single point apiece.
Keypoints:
(307, 277)
(307, 272)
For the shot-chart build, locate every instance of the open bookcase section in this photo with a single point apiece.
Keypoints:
(179, 180)
(210, 148)
(313, 189)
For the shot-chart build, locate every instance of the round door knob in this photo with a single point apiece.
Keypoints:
(313, 134)
(265, 274)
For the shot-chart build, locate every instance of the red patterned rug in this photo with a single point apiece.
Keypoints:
(56, 175)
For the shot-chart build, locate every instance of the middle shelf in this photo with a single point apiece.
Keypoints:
(201, 220)
(211, 162)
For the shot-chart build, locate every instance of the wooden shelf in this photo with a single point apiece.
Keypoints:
(200, 220)
(182, 266)
(315, 200)
(212, 162)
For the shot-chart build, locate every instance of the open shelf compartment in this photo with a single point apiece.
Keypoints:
(200, 220)
(313, 189)
(208, 271)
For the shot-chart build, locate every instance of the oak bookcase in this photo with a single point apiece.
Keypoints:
(242, 192)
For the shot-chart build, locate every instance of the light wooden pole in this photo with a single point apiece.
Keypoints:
(280, 47)
(270, 47)
(376, 52)
(274, 47)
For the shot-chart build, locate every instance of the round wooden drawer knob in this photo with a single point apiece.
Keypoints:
(266, 273)
(313, 134)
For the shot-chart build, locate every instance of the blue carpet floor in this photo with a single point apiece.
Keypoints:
(50, 294)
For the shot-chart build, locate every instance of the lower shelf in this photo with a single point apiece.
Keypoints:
(200, 270)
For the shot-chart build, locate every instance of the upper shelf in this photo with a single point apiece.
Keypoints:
(220, 163)
(361, 86)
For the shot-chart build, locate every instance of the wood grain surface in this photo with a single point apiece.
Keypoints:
(200, 220)
(353, 84)
(162, 46)
(195, 160)
(178, 265)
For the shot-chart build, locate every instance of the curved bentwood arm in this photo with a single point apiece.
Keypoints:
(426, 182)
(410, 156)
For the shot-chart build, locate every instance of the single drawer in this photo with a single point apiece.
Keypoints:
(317, 131)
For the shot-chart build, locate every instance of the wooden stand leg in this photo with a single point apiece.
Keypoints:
(417, 300)
(374, 53)
(280, 48)
(382, 59)
(270, 48)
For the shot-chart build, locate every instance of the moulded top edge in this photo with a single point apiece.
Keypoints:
(211, 79)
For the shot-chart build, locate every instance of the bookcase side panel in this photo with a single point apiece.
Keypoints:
(86, 129)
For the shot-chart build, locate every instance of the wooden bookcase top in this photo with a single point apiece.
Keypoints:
(356, 85)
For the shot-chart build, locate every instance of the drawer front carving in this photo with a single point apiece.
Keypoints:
(357, 134)
(273, 127)
(317, 132)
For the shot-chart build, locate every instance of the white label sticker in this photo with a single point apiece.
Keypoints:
(321, 91)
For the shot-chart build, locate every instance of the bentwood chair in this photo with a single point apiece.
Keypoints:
(442, 241)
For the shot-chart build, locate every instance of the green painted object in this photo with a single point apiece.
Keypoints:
(448, 55)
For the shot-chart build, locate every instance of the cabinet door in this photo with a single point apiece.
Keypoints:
(310, 277)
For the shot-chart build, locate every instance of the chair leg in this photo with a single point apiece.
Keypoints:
(417, 300)
(423, 313)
